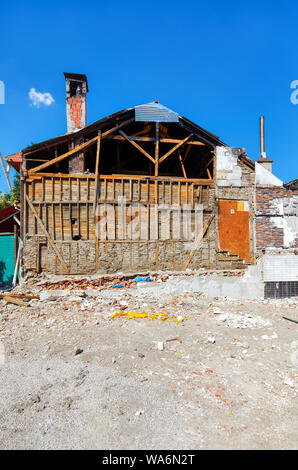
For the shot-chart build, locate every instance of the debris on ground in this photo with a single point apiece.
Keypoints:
(228, 376)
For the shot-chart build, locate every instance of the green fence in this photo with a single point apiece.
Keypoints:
(6, 259)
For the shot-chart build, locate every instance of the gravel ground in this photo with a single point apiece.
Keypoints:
(71, 377)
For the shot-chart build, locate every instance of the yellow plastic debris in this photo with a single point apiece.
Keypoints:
(153, 316)
(118, 314)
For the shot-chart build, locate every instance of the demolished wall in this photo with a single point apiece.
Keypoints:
(235, 182)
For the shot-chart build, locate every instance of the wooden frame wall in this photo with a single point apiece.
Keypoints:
(67, 208)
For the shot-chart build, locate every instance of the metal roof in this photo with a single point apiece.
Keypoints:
(155, 112)
(202, 134)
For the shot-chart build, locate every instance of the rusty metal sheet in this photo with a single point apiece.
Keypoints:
(233, 228)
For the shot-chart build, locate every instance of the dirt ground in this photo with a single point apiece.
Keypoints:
(203, 374)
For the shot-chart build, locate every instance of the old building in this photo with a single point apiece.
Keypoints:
(146, 189)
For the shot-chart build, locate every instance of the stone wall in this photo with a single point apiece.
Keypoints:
(114, 256)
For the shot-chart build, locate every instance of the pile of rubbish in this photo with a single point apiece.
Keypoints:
(118, 281)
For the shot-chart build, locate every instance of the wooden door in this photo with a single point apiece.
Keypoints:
(233, 228)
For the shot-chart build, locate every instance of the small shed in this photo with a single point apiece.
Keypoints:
(9, 229)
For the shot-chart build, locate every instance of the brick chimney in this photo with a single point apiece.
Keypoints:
(76, 114)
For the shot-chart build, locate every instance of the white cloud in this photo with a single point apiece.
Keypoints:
(37, 98)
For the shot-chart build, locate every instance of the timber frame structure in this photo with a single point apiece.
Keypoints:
(96, 200)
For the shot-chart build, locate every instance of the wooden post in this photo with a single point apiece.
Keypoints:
(118, 157)
(156, 193)
(15, 275)
(96, 172)
(156, 148)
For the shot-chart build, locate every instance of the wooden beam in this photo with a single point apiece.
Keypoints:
(176, 141)
(79, 148)
(9, 217)
(12, 300)
(62, 157)
(163, 130)
(21, 296)
(137, 146)
(186, 152)
(175, 148)
(206, 166)
(46, 147)
(209, 174)
(182, 165)
(198, 241)
(152, 139)
(96, 172)
(35, 160)
(173, 179)
(143, 131)
(46, 233)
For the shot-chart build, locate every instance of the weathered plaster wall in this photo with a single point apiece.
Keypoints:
(228, 171)
(264, 177)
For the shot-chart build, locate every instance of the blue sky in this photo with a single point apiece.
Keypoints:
(220, 63)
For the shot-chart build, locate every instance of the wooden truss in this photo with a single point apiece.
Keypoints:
(111, 134)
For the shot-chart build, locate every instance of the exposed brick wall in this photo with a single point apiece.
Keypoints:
(273, 206)
(266, 200)
(267, 234)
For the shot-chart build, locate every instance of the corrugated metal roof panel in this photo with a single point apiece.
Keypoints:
(155, 112)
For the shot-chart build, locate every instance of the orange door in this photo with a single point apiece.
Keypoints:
(233, 228)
